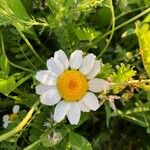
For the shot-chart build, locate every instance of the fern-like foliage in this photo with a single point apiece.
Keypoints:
(14, 46)
(123, 74)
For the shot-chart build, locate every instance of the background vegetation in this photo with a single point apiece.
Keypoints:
(116, 31)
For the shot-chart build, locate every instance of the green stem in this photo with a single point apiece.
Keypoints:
(128, 12)
(33, 117)
(132, 82)
(125, 23)
(40, 139)
(11, 63)
(33, 144)
(27, 58)
(29, 45)
(21, 125)
(112, 30)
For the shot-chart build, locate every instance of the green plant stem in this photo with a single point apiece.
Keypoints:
(27, 58)
(21, 125)
(29, 45)
(11, 63)
(111, 31)
(130, 11)
(125, 23)
(120, 113)
(33, 144)
(33, 117)
(132, 82)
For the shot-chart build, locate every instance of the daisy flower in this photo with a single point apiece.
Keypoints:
(71, 84)
(9, 118)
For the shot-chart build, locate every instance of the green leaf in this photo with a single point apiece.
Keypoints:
(128, 32)
(16, 15)
(77, 141)
(7, 86)
(86, 34)
(22, 80)
(4, 65)
(108, 113)
(143, 34)
(18, 8)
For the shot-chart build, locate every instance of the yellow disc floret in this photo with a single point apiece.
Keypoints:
(72, 85)
(12, 117)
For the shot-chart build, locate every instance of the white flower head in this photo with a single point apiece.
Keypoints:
(71, 84)
(9, 118)
(6, 121)
(56, 137)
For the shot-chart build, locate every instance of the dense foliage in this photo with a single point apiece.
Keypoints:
(117, 32)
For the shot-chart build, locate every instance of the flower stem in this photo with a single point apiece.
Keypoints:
(21, 125)
(125, 23)
(130, 11)
(11, 63)
(111, 31)
(29, 45)
(33, 144)
(132, 82)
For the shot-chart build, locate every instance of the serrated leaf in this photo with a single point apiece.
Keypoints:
(86, 34)
(77, 141)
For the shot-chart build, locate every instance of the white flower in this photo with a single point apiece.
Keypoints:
(71, 84)
(9, 118)
(6, 121)
(55, 137)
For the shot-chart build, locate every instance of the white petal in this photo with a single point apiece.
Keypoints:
(95, 70)
(91, 101)
(83, 107)
(5, 118)
(87, 64)
(5, 124)
(74, 113)
(76, 59)
(42, 88)
(97, 85)
(61, 110)
(54, 66)
(46, 77)
(16, 109)
(62, 58)
(112, 104)
(50, 97)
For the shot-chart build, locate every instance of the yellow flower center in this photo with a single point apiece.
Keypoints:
(12, 117)
(72, 85)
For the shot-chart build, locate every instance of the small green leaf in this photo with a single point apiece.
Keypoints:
(7, 86)
(108, 113)
(77, 141)
(4, 65)
(22, 80)
(86, 34)
(128, 32)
